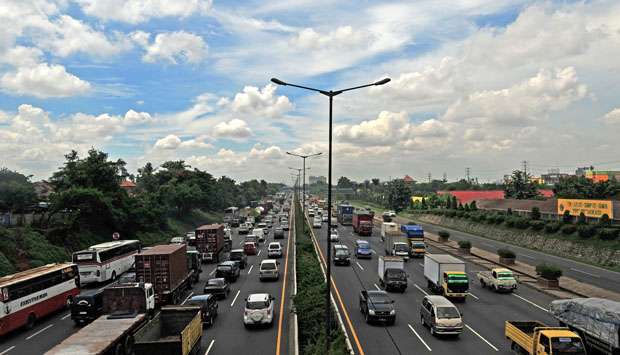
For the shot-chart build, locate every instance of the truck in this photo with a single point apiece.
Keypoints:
(388, 228)
(446, 275)
(392, 275)
(535, 338)
(126, 308)
(362, 222)
(165, 267)
(498, 280)
(210, 241)
(174, 330)
(345, 214)
(596, 320)
(231, 216)
(193, 264)
(396, 244)
(415, 236)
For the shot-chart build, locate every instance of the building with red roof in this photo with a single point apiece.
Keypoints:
(408, 179)
(128, 186)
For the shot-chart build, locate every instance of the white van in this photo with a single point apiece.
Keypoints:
(259, 233)
(268, 270)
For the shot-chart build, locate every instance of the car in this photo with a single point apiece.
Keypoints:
(311, 213)
(243, 228)
(274, 250)
(258, 310)
(376, 305)
(218, 287)
(228, 270)
(259, 233)
(441, 316)
(278, 233)
(250, 248)
(87, 306)
(268, 270)
(325, 218)
(177, 240)
(284, 224)
(208, 307)
(362, 249)
(333, 221)
(333, 235)
(316, 223)
(341, 255)
(238, 256)
(261, 225)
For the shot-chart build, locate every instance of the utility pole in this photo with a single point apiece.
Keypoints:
(524, 168)
(429, 178)
(445, 177)
(468, 172)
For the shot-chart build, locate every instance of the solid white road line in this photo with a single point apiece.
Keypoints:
(358, 264)
(212, 272)
(379, 289)
(259, 252)
(7, 350)
(530, 302)
(474, 296)
(234, 299)
(483, 339)
(209, 348)
(422, 265)
(421, 290)
(583, 272)
(66, 316)
(251, 267)
(39, 332)
(188, 297)
(419, 337)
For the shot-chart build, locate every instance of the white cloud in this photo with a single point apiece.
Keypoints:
(341, 38)
(269, 153)
(137, 11)
(235, 128)
(169, 142)
(20, 56)
(387, 128)
(612, 117)
(260, 102)
(173, 48)
(133, 117)
(44, 80)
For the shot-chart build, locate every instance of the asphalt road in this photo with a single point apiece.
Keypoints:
(593, 275)
(484, 311)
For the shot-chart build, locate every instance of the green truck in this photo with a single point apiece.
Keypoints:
(174, 330)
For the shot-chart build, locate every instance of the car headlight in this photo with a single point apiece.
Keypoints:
(371, 312)
(392, 312)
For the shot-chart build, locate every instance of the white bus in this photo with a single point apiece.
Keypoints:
(106, 261)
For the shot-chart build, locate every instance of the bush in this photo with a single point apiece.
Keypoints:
(472, 206)
(465, 244)
(499, 219)
(586, 232)
(510, 222)
(604, 220)
(460, 214)
(6, 267)
(444, 234)
(451, 213)
(506, 253)
(491, 219)
(535, 214)
(467, 215)
(581, 220)
(537, 225)
(521, 223)
(609, 233)
(552, 227)
(568, 229)
(549, 272)
(566, 217)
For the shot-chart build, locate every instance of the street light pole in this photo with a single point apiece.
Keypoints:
(331, 95)
(303, 184)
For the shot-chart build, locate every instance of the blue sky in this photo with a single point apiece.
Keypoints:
(475, 83)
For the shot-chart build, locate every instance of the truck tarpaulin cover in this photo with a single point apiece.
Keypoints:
(597, 316)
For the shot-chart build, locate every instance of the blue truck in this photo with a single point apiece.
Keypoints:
(345, 214)
(415, 235)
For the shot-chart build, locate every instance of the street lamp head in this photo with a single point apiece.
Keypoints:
(380, 82)
(278, 81)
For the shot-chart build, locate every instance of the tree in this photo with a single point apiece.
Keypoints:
(472, 205)
(535, 214)
(375, 181)
(16, 191)
(566, 217)
(581, 219)
(146, 179)
(344, 182)
(519, 186)
(399, 195)
(94, 171)
(605, 220)
(454, 205)
(582, 187)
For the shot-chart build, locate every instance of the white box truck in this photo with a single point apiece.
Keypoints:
(396, 244)
(446, 275)
(392, 275)
(389, 228)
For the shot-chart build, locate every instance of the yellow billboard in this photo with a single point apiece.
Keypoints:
(591, 208)
(415, 199)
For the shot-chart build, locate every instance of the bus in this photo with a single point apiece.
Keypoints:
(106, 261)
(231, 216)
(29, 295)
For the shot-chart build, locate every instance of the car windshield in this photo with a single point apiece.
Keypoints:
(379, 299)
(224, 267)
(236, 255)
(195, 303)
(400, 247)
(505, 276)
(274, 247)
(342, 252)
(363, 246)
(418, 245)
(257, 305)
(447, 312)
(215, 282)
(567, 345)
(268, 266)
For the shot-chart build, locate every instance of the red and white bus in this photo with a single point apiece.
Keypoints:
(106, 261)
(29, 295)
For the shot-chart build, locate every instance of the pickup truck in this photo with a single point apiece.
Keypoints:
(174, 330)
(498, 280)
(535, 338)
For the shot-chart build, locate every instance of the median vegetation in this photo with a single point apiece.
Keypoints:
(310, 299)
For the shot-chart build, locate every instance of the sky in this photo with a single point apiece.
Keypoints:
(479, 84)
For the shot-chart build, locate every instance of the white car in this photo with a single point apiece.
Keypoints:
(317, 223)
(258, 309)
(268, 270)
(274, 250)
(259, 233)
(333, 235)
(324, 218)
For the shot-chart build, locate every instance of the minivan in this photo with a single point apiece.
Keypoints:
(441, 316)
(87, 306)
(268, 270)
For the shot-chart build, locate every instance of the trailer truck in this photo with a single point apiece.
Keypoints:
(535, 338)
(396, 244)
(392, 275)
(165, 267)
(362, 222)
(125, 309)
(345, 214)
(596, 320)
(415, 236)
(174, 330)
(446, 275)
(210, 242)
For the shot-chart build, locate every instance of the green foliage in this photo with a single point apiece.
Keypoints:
(465, 244)
(552, 227)
(549, 272)
(582, 187)
(535, 214)
(506, 253)
(581, 219)
(499, 219)
(16, 190)
(6, 267)
(460, 214)
(40, 250)
(568, 229)
(609, 233)
(509, 211)
(537, 225)
(472, 205)
(444, 234)
(586, 232)
(398, 195)
(604, 220)
(519, 186)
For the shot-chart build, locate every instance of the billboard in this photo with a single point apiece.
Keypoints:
(591, 208)
(415, 199)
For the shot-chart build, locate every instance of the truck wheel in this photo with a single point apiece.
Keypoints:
(482, 284)
(113, 276)
(32, 320)
(128, 345)
(118, 350)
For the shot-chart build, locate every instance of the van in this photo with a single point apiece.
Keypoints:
(87, 306)
(268, 270)
(441, 316)
(259, 233)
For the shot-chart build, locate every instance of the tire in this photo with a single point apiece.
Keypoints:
(128, 344)
(433, 331)
(482, 284)
(113, 276)
(69, 302)
(32, 321)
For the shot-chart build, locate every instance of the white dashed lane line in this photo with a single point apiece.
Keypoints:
(234, 299)
(39, 332)
(7, 350)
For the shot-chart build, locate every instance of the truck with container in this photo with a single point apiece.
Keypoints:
(210, 242)
(193, 264)
(174, 330)
(126, 308)
(362, 222)
(415, 236)
(391, 272)
(165, 267)
(535, 338)
(498, 280)
(231, 216)
(446, 275)
(345, 214)
(389, 228)
(596, 320)
(396, 244)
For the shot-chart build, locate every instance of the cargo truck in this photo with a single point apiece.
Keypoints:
(362, 222)
(392, 275)
(396, 244)
(446, 275)
(345, 214)
(498, 280)
(125, 309)
(174, 330)
(596, 320)
(388, 228)
(165, 267)
(535, 338)
(415, 236)
(210, 242)
(193, 264)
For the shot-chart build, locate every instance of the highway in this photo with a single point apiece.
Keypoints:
(484, 311)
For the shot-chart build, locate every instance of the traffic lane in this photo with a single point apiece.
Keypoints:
(600, 277)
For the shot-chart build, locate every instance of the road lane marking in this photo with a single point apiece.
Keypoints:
(212, 272)
(251, 267)
(7, 350)
(489, 245)
(259, 252)
(65, 317)
(527, 256)
(358, 264)
(283, 295)
(419, 337)
(421, 290)
(39, 332)
(481, 337)
(188, 297)
(474, 296)
(530, 302)
(208, 349)
(234, 299)
(378, 289)
(586, 273)
(422, 265)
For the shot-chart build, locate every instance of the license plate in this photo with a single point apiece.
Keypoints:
(83, 312)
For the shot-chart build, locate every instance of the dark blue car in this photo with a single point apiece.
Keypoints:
(362, 249)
